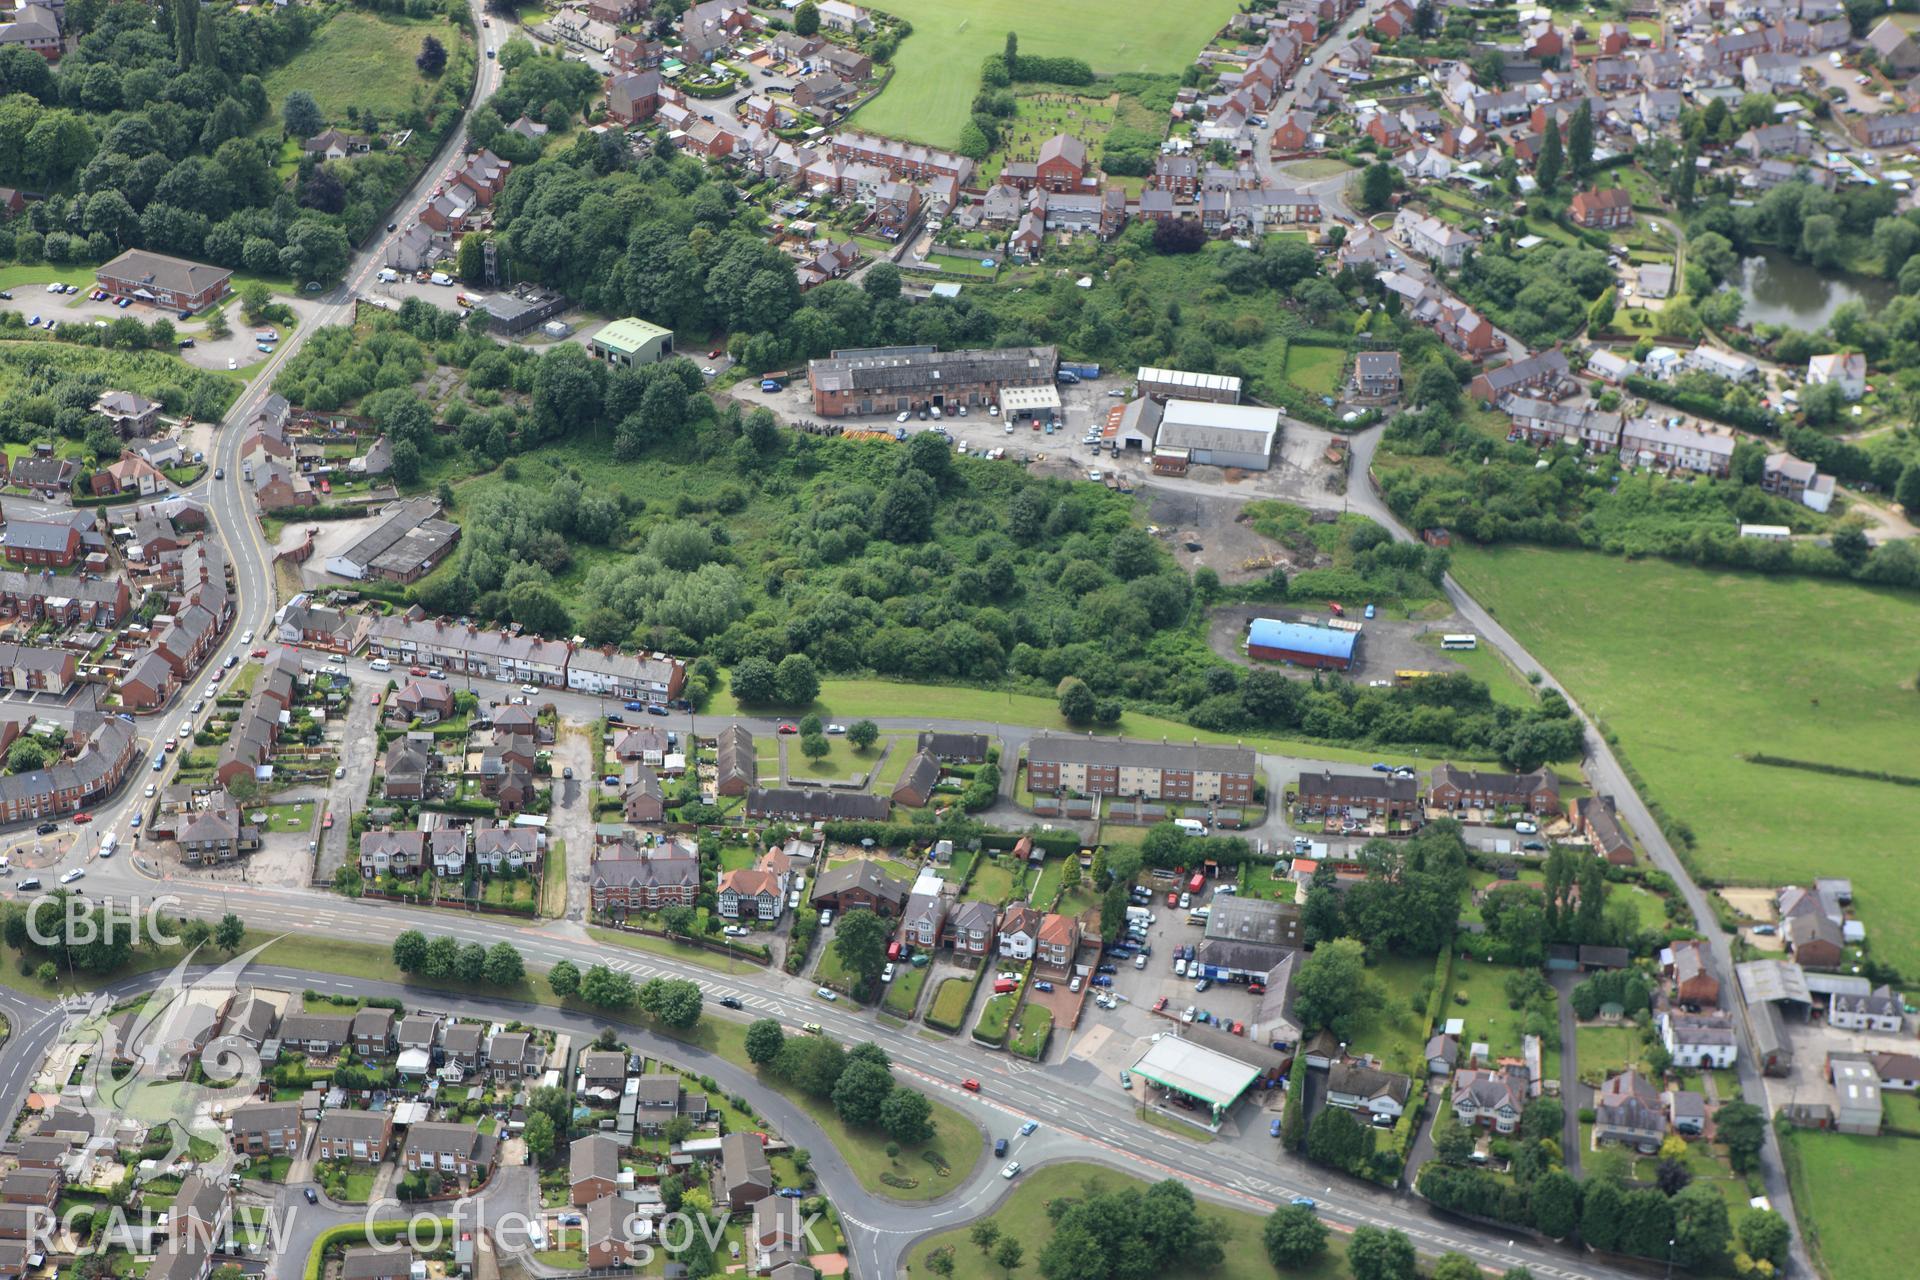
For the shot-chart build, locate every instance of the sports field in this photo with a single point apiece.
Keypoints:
(937, 70)
(361, 60)
(1693, 668)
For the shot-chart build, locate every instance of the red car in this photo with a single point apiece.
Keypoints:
(258, 653)
(83, 817)
(328, 824)
(970, 1085)
(1159, 1004)
(416, 671)
(716, 353)
(1173, 899)
(787, 728)
(1239, 1028)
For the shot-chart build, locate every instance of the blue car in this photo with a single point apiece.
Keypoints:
(1274, 1128)
(1043, 986)
(636, 706)
(1303, 1202)
(1379, 767)
(791, 1193)
(1102, 980)
(1029, 1127)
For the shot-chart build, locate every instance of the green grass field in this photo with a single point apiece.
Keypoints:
(848, 700)
(993, 881)
(358, 60)
(840, 762)
(1397, 1032)
(1486, 1013)
(937, 70)
(1024, 1218)
(1604, 1051)
(950, 1000)
(903, 993)
(1317, 369)
(1809, 669)
(1842, 1191)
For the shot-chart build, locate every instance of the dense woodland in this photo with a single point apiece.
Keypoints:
(160, 135)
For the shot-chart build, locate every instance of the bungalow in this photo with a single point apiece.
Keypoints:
(859, 885)
(954, 748)
(1353, 1086)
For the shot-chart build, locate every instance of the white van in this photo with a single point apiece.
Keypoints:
(441, 277)
(1191, 826)
(388, 275)
(108, 843)
(381, 664)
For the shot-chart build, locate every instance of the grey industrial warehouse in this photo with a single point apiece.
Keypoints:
(1219, 435)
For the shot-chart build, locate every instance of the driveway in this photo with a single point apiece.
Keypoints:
(1571, 1090)
(357, 749)
(572, 818)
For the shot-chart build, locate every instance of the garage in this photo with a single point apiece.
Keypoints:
(1220, 435)
(1325, 648)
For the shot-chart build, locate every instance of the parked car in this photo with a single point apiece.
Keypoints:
(826, 993)
(1525, 828)
(1043, 986)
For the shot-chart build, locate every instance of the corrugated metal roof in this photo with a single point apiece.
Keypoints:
(1325, 642)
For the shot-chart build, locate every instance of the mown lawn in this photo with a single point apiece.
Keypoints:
(993, 880)
(358, 59)
(841, 761)
(1317, 369)
(1024, 1218)
(1804, 668)
(951, 1000)
(903, 993)
(1603, 1051)
(937, 70)
(1486, 1013)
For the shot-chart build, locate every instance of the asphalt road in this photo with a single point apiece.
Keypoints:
(1083, 1116)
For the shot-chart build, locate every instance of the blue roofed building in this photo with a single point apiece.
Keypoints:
(1272, 640)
